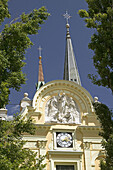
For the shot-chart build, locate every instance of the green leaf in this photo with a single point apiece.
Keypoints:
(14, 41)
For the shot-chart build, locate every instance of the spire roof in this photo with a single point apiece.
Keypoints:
(40, 72)
(70, 66)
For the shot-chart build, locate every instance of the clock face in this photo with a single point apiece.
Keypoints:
(64, 139)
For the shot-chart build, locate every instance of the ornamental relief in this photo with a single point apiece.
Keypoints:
(41, 144)
(62, 109)
(86, 145)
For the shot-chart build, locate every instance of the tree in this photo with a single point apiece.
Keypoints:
(14, 41)
(105, 115)
(12, 154)
(99, 17)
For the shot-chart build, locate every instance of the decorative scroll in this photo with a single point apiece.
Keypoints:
(41, 144)
(62, 109)
(86, 145)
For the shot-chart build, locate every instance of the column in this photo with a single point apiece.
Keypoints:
(87, 155)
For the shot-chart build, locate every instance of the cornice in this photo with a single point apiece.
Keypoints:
(89, 128)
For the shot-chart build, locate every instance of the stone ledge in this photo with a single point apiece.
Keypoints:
(61, 152)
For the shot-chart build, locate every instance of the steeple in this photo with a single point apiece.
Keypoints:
(40, 72)
(70, 67)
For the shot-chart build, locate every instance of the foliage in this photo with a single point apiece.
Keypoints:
(12, 154)
(14, 40)
(105, 117)
(99, 17)
(4, 12)
(39, 165)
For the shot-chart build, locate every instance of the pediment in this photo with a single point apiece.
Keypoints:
(47, 97)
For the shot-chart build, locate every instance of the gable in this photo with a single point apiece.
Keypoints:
(81, 99)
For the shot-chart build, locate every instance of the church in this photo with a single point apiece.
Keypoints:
(67, 126)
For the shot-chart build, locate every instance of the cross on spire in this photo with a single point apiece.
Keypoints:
(67, 16)
(40, 49)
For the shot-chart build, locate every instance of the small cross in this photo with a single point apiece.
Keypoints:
(67, 16)
(40, 49)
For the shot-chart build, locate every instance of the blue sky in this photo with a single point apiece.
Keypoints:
(51, 38)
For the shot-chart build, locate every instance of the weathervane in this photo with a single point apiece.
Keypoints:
(67, 16)
(40, 49)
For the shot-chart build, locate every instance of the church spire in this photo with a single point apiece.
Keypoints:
(70, 67)
(40, 72)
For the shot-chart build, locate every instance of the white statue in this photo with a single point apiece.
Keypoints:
(62, 109)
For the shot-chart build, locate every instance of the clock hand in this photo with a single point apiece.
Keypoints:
(66, 139)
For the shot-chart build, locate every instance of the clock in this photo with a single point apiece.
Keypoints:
(64, 139)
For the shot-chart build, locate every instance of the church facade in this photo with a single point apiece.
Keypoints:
(67, 126)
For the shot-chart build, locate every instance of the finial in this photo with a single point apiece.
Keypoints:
(96, 100)
(25, 94)
(40, 49)
(67, 16)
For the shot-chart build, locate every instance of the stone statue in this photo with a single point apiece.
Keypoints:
(62, 109)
